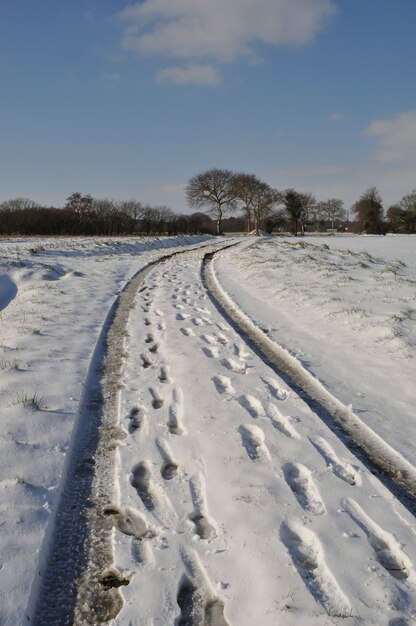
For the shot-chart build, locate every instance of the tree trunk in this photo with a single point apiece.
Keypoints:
(219, 223)
(256, 224)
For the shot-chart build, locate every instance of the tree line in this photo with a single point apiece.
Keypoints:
(224, 201)
(85, 215)
(220, 191)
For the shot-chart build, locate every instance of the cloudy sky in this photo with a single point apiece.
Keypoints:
(131, 100)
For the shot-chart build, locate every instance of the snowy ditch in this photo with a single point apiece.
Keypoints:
(379, 453)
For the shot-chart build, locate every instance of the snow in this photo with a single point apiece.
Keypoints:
(230, 499)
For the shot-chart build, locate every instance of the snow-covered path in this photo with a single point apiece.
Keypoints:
(237, 505)
(222, 498)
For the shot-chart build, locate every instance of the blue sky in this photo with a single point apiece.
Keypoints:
(130, 100)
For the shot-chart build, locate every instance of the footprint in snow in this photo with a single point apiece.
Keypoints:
(169, 466)
(182, 316)
(188, 332)
(240, 351)
(277, 390)
(130, 522)
(175, 416)
(252, 405)
(137, 418)
(196, 599)
(223, 385)
(153, 498)
(240, 366)
(155, 347)
(205, 526)
(387, 549)
(141, 480)
(342, 469)
(222, 326)
(210, 339)
(212, 352)
(147, 359)
(142, 553)
(158, 400)
(164, 374)
(253, 439)
(222, 339)
(309, 558)
(299, 478)
(281, 422)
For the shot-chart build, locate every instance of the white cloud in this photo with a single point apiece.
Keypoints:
(194, 74)
(396, 138)
(337, 117)
(220, 31)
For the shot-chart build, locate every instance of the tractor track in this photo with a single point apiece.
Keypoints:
(395, 472)
(75, 583)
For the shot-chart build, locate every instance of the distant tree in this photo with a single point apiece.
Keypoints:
(18, 204)
(132, 210)
(81, 206)
(258, 199)
(396, 219)
(331, 210)
(298, 206)
(275, 219)
(213, 190)
(244, 188)
(308, 204)
(293, 205)
(200, 223)
(408, 206)
(369, 212)
(163, 216)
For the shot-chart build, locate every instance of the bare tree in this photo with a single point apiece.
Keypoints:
(258, 198)
(308, 204)
(214, 190)
(133, 210)
(81, 206)
(244, 187)
(331, 210)
(18, 204)
(408, 206)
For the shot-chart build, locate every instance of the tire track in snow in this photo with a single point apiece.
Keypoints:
(392, 469)
(75, 583)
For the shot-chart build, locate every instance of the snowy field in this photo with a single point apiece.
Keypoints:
(231, 502)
